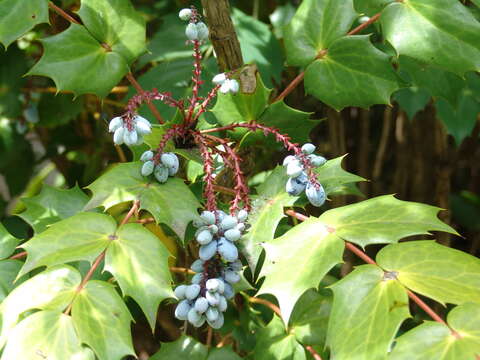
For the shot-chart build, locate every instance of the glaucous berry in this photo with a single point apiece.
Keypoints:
(191, 31)
(219, 79)
(185, 14)
(227, 250)
(228, 293)
(201, 305)
(130, 137)
(161, 173)
(212, 314)
(147, 168)
(295, 186)
(115, 123)
(118, 136)
(206, 252)
(217, 324)
(316, 196)
(192, 291)
(242, 215)
(317, 160)
(222, 304)
(231, 276)
(289, 159)
(232, 235)
(208, 217)
(142, 125)
(213, 298)
(228, 222)
(308, 148)
(197, 278)
(204, 237)
(147, 155)
(180, 291)
(202, 30)
(168, 159)
(294, 168)
(197, 265)
(182, 309)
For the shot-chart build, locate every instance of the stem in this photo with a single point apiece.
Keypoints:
(196, 79)
(62, 13)
(369, 260)
(209, 191)
(312, 351)
(295, 82)
(209, 337)
(20, 255)
(140, 90)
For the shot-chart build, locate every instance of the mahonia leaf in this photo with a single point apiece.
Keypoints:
(274, 343)
(309, 320)
(8, 242)
(223, 353)
(357, 74)
(8, 272)
(444, 274)
(242, 107)
(171, 203)
(117, 24)
(334, 178)
(13, 64)
(432, 340)
(77, 62)
(102, 321)
(383, 219)
(52, 205)
(184, 347)
(266, 213)
(315, 26)
(370, 7)
(58, 109)
(52, 289)
(297, 261)
(439, 32)
(80, 237)
(46, 335)
(139, 262)
(368, 308)
(412, 100)
(19, 16)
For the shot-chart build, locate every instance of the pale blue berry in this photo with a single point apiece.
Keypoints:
(228, 293)
(147, 155)
(191, 32)
(185, 14)
(228, 222)
(232, 234)
(180, 291)
(182, 309)
(212, 298)
(212, 314)
(202, 31)
(147, 168)
(201, 305)
(317, 160)
(206, 252)
(193, 316)
(294, 187)
(118, 136)
(204, 237)
(219, 79)
(289, 159)
(115, 123)
(197, 278)
(130, 137)
(197, 266)
(208, 217)
(222, 304)
(217, 324)
(169, 159)
(161, 173)
(231, 276)
(316, 197)
(308, 148)
(294, 168)
(227, 250)
(192, 291)
(142, 125)
(242, 215)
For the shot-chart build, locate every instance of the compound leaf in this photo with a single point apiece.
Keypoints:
(139, 262)
(183, 347)
(46, 335)
(297, 261)
(334, 178)
(439, 32)
(8, 272)
(371, 7)
(8, 242)
(352, 73)
(52, 205)
(19, 16)
(102, 321)
(80, 237)
(444, 274)
(171, 203)
(383, 219)
(52, 289)
(76, 61)
(433, 340)
(368, 308)
(315, 26)
(13, 65)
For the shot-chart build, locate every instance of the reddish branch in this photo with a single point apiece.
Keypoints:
(299, 78)
(369, 260)
(208, 168)
(196, 79)
(62, 13)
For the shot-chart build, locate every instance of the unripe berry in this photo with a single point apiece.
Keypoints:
(202, 30)
(161, 173)
(204, 237)
(147, 155)
(208, 217)
(185, 14)
(227, 250)
(115, 123)
(147, 168)
(308, 148)
(118, 136)
(232, 235)
(192, 291)
(206, 252)
(180, 291)
(130, 137)
(191, 31)
(219, 79)
(201, 305)
(315, 196)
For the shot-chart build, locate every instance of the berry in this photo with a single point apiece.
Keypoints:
(295, 186)
(161, 173)
(201, 305)
(115, 123)
(182, 310)
(212, 298)
(212, 314)
(169, 159)
(185, 14)
(222, 304)
(180, 291)
(197, 278)
(130, 137)
(193, 316)
(192, 291)
(228, 222)
(118, 136)
(197, 266)
(289, 159)
(228, 293)
(232, 277)
(317, 160)
(208, 217)
(227, 250)
(315, 196)
(219, 79)
(204, 237)
(147, 155)
(308, 148)
(215, 285)
(206, 252)
(294, 168)
(202, 30)
(142, 125)
(147, 168)
(232, 234)
(242, 215)
(191, 31)
(217, 324)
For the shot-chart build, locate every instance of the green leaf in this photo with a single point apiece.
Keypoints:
(412, 100)
(19, 16)
(259, 46)
(273, 343)
(333, 177)
(223, 353)
(8, 242)
(297, 261)
(59, 109)
(438, 82)
(80, 237)
(161, 200)
(444, 274)
(383, 219)
(77, 62)
(309, 319)
(102, 321)
(315, 26)
(117, 24)
(8, 272)
(184, 347)
(52, 289)
(13, 65)
(52, 205)
(242, 107)
(139, 262)
(295, 123)
(46, 335)
(266, 213)
(439, 32)
(281, 17)
(367, 311)
(433, 340)
(371, 7)
(459, 121)
(352, 73)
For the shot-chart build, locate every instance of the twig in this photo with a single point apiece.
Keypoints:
(209, 336)
(312, 351)
(140, 90)
(365, 24)
(181, 270)
(20, 255)
(62, 13)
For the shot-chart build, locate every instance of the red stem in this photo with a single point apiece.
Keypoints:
(295, 82)
(209, 191)
(369, 260)
(196, 79)
(312, 351)
(140, 90)
(20, 255)
(62, 13)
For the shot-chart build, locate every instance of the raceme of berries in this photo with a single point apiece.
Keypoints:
(205, 299)
(161, 166)
(298, 179)
(129, 131)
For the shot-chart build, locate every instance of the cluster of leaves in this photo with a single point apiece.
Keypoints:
(54, 305)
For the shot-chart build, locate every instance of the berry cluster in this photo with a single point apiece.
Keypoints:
(226, 85)
(161, 166)
(129, 130)
(216, 270)
(196, 29)
(299, 181)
